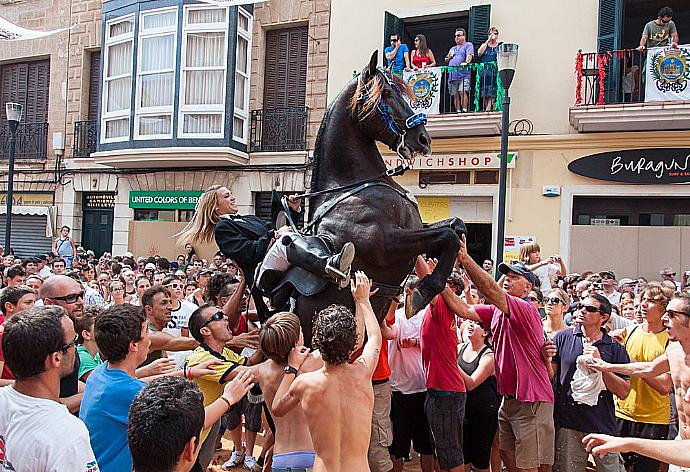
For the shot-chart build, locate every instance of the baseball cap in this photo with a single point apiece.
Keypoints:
(128, 255)
(203, 272)
(607, 272)
(520, 269)
(626, 281)
(150, 266)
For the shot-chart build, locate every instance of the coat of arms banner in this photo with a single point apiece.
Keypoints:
(426, 87)
(667, 74)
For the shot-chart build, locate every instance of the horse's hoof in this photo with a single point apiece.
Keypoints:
(417, 302)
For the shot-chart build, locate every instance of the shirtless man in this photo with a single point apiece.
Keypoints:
(338, 399)
(676, 320)
(293, 449)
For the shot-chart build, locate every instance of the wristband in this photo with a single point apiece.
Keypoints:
(189, 374)
(226, 401)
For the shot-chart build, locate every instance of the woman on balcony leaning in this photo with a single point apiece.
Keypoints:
(488, 52)
(422, 56)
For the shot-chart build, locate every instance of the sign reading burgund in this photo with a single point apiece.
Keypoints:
(637, 166)
(164, 200)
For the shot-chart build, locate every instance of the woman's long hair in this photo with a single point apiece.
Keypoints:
(200, 228)
(422, 46)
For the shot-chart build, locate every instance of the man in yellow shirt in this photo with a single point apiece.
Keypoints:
(646, 412)
(210, 327)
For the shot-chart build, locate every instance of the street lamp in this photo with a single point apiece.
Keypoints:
(507, 59)
(14, 116)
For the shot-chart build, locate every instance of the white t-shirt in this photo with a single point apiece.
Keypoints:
(407, 371)
(614, 297)
(45, 272)
(544, 274)
(180, 319)
(38, 435)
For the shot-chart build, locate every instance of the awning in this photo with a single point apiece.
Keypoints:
(49, 211)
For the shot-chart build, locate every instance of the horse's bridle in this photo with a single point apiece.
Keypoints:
(396, 130)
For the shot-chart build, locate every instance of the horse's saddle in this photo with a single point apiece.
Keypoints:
(279, 286)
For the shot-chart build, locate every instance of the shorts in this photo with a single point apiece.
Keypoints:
(445, 412)
(295, 461)
(381, 429)
(527, 428)
(479, 431)
(252, 415)
(571, 455)
(633, 429)
(462, 85)
(409, 425)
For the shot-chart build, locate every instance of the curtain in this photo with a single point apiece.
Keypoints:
(117, 128)
(240, 83)
(119, 90)
(195, 123)
(206, 15)
(122, 27)
(157, 54)
(242, 45)
(153, 125)
(119, 94)
(159, 20)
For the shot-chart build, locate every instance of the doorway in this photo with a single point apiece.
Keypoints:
(479, 241)
(97, 223)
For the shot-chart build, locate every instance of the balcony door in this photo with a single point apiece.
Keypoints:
(285, 83)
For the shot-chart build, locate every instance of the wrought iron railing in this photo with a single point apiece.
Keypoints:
(32, 141)
(85, 138)
(609, 77)
(279, 129)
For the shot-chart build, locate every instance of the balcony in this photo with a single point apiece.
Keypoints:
(32, 141)
(610, 96)
(279, 130)
(85, 138)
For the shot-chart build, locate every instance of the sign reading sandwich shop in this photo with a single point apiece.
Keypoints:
(637, 166)
(476, 161)
(163, 200)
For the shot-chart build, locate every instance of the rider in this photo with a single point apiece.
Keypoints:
(248, 240)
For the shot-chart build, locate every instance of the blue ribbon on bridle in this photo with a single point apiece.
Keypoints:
(383, 111)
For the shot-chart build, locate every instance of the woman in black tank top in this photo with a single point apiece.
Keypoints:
(476, 361)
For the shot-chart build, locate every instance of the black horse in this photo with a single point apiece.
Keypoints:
(382, 219)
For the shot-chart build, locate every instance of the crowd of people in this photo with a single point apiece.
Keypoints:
(122, 363)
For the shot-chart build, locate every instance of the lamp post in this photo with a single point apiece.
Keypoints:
(507, 59)
(14, 116)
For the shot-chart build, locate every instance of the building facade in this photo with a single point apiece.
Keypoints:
(156, 101)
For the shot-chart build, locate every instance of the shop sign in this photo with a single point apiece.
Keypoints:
(474, 161)
(28, 199)
(511, 247)
(637, 166)
(163, 200)
(99, 200)
(605, 222)
(433, 208)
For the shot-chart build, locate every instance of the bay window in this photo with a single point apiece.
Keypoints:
(242, 71)
(117, 80)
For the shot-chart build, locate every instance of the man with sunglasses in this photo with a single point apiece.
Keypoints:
(667, 273)
(676, 320)
(37, 432)
(67, 293)
(608, 284)
(573, 420)
(181, 311)
(645, 413)
(397, 55)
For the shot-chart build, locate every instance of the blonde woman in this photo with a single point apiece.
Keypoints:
(249, 240)
(530, 255)
(556, 303)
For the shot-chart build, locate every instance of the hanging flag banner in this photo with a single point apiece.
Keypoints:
(426, 88)
(667, 74)
(11, 32)
(231, 3)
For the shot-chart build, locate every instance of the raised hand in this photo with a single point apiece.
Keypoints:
(297, 356)
(361, 287)
(548, 350)
(239, 386)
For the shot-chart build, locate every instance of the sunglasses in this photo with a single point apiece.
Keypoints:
(393, 40)
(672, 274)
(675, 314)
(217, 316)
(458, 35)
(588, 308)
(534, 299)
(71, 298)
(554, 300)
(66, 347)
(174, 285)
(607, 277)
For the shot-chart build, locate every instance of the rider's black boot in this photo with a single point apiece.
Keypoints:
(337, 266)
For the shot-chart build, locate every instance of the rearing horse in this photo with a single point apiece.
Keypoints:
(382, 220)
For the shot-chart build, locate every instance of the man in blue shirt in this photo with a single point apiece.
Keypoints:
(397, 55)
(458, 57)
(573, 420)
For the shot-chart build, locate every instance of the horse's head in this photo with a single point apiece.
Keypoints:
(381, 112)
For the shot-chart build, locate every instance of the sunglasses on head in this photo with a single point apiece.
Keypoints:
(217, 316)
(588, 308)
(71, 298)
(554, 300)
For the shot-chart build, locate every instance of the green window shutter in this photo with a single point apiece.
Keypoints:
(608, 39)
(480, 22)
(391, 24)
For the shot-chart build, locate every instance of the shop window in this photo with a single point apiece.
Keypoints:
(681, 220)
(154, 215)
(651, 219)
(486, 177)
(458, 177)
(184, 216)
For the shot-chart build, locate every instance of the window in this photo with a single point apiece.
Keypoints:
(155, 74)
(486, 177)
(203, 75)
(117, 79)
(242, 72)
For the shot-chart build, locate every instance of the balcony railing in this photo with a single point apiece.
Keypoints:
(610, 77)
(85, 138)
(32, 141)
(279, 129)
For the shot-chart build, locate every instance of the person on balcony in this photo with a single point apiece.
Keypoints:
(488, 53)
(397, 55)
(458, 57)
(660, 32)
(422, 56)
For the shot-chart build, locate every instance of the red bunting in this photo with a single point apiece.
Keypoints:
(578, 70)
(603, 59)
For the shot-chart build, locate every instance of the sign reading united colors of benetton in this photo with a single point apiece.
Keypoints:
(477, 161)
(162, 200)
(637, 166)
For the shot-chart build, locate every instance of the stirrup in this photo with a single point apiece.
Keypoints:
(339, 265)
